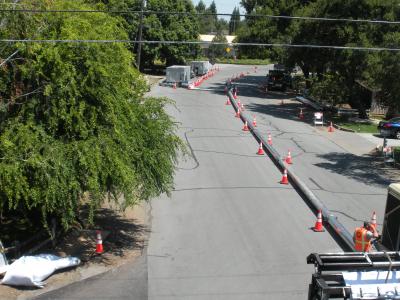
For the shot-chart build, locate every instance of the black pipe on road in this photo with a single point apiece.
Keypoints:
(329, 218)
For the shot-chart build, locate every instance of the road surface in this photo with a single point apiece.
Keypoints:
(229, 230)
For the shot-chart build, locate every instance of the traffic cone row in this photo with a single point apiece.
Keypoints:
(269, 139)
(330, 128)
(99, 243)
(318, 227)
(245, 127)
(235, 94)
(260, 149)
(301, 115)
(237, 115)
(208, 75)
(254, 121)
(373, 220)
(288, 159)
(284, 179)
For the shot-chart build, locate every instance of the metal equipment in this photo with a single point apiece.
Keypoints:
(200, 68)
(178, 74)
(391, 222)
(355, 275)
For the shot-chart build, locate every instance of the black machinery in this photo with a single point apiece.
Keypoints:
(329, 282)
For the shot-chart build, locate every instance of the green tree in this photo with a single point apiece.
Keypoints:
(234, 22)
(218, 50)
(170, 27)
(212, 9)
(74, 120)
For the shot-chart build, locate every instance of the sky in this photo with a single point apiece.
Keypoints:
(223, 6)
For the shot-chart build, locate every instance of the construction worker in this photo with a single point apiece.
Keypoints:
(363, 237)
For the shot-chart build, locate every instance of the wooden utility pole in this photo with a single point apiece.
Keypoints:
(139, 48)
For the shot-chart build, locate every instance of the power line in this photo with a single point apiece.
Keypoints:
(282, 45)
(8, 58)
(205, 14)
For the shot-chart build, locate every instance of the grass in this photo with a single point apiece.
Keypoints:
(244, 61)
(357, 127)
(364, 128)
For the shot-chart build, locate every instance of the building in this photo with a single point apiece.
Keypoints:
(207, 38)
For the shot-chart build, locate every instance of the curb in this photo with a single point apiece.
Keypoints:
(343, 129)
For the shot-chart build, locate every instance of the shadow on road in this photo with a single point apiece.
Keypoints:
(366, 169)
(287, 111)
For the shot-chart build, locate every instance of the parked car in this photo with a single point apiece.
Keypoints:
(278, 79)
(390, 128)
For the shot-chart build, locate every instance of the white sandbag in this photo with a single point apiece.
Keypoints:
(32, 270)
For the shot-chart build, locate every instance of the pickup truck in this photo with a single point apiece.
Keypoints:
(278, 80)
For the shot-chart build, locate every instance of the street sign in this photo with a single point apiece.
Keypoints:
(318, 118)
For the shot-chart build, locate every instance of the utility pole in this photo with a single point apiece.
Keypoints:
(139, 48)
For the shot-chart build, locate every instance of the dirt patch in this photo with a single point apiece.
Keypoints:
(124, 236)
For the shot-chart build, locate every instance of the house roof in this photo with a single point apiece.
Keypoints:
(210, 37)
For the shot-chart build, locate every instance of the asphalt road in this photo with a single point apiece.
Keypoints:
(334, 165)
(230, 230)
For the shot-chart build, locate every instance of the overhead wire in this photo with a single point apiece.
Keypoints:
(282, 45)
(253, 15)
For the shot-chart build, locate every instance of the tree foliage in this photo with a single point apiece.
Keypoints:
(218, 50)
(74, 119)
(234, 22)
(209, 24)
(348, 67)
(171, 27)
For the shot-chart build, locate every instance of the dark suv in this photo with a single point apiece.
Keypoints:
(278, 80)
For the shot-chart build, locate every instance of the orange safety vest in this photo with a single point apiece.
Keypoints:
(361, 242)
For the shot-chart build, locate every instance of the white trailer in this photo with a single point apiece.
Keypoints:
(178, 74)
(200, 68)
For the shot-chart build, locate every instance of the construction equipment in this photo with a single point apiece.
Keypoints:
(177, 75)
(391, 222)
(355, 275)
(200, 68)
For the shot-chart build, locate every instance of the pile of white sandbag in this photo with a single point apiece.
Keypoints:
(33, 270)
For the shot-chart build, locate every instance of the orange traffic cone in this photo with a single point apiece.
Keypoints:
(99, 243)
(301, 116)
(235, 95)
(237, 115)
(242, 107)
(269, 139)
(239, 104)
(227, 101)
(284, 179)
(174, 86)
(245, 127)
(260, 149)
(254, 121)
(289, 158)
(330, 129)
(373, 220)
(318, 225)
